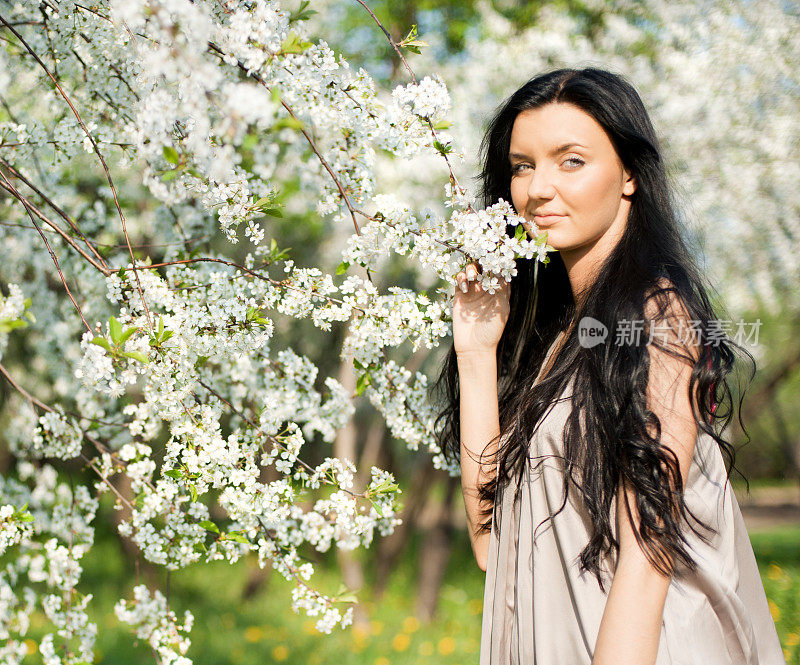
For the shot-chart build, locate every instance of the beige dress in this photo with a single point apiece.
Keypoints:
(540, 610)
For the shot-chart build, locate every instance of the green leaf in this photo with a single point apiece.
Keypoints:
(102, 341)
(349, 597)
(171, 155)
(411, 42)
(209, 526)
(290, 122)
(8, 325)
(126, 335)
(167, 176)
(442, 148)
(193, 492)
(275, 93)
(519, 233)
(236, 537)
(442, 124)
(292, 43)
(136, 355)
(343, 266)
(115, 327)
(302, 14)
(377, 508)
(362, 383)
(174, 473)
(167, 335)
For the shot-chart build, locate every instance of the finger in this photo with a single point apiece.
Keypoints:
(472, 272)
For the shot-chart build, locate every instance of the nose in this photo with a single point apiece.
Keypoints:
(541, 185)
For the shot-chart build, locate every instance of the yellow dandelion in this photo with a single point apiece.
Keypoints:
(253, 634)
(426, 648)
(31, 646)
(774, 610)
(774, 572)
(376, 627)
(359, 633)
(475, 606)
(410, 624)
(786, 654)
(401, 642)
(382, 660)
(792, 639)
(309, 627)
(447, 645)
(280, 652)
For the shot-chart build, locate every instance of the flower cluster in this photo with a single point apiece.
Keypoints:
(155, 622)
(12, 307)
(51, 534)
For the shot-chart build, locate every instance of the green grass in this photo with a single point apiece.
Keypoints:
(778, 555)
(264, 630)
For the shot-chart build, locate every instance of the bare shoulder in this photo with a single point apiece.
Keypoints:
(671, 319)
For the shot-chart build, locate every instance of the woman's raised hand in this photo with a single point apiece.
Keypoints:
(478, 317)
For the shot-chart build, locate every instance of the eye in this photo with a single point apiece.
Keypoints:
(515, 169)
(576, 161)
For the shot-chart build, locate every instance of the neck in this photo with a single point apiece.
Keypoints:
(583, 262)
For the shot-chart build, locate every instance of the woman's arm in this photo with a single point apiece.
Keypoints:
(631, 625)
(480, 424)
(478, 322)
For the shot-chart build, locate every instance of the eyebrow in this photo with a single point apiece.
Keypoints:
(554, 151)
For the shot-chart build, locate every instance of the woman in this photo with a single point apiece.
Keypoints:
(560, 411)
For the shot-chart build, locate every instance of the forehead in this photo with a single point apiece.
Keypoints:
(556, 124)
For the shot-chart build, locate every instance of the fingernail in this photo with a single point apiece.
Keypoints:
(464, 287)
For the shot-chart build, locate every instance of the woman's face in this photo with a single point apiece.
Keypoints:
(562, 162)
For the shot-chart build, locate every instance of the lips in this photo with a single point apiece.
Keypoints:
(545, 220)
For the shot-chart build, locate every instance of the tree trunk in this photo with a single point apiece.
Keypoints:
(435, 554)
(344, 448)
(392, 547)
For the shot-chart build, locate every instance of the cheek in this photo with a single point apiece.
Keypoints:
(519, 195)
(594, 197)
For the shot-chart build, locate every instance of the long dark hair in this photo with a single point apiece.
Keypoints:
(650, 267)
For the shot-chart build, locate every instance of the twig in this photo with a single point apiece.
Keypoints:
(24, 202)
(96, 150)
